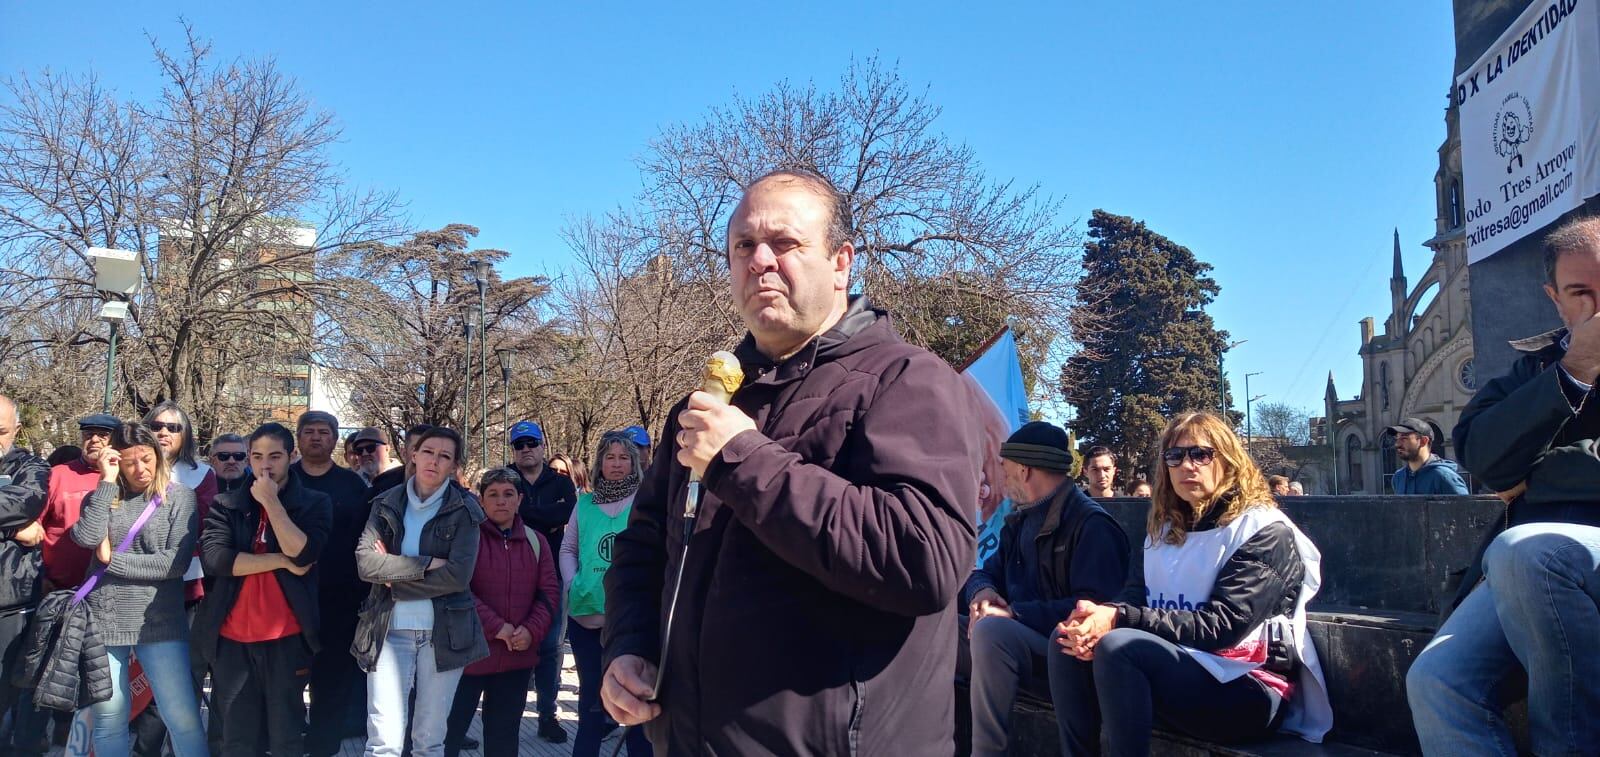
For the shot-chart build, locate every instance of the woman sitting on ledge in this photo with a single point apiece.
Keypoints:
(1209, 638)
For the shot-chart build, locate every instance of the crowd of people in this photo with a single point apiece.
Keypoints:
(792, 571)
(399, 599)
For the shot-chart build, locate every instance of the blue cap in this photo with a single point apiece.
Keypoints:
(526, 429)
(640, 436)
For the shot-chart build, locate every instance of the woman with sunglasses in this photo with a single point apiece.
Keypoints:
(175, 433)
(1209, 638)
(585, 556)
(137, 603)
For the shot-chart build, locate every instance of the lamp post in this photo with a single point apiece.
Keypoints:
(480, 276)
(466, 391)
(1249, 433)
(116, 275)
(505, 407)
(1222, 378)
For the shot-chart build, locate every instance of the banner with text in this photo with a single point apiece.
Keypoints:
(1530, 125)
(1000, 403)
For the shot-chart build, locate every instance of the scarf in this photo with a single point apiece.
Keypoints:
(607, 491)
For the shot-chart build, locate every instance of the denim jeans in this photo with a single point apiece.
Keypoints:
(166, 666)
(547, 673)
(1538, 609)
(407, 661)
(593, 722)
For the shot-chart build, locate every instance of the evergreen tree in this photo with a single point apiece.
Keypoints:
(1148, 349)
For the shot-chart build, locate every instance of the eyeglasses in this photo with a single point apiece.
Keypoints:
(364, 449)
(1174, 456)
(230, 457)
(171, 428)
(522, 444)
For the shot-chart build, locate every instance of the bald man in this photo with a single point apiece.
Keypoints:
(23, 477)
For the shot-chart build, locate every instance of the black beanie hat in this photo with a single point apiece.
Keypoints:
(1039, 445)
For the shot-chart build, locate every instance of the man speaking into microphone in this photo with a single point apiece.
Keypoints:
(815, 612)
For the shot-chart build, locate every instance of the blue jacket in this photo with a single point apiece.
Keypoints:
(1436, 476)
(1080, 553)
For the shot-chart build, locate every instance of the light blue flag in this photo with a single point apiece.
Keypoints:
(997, 372)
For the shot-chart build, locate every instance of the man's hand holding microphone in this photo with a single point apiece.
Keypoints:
(705, 425)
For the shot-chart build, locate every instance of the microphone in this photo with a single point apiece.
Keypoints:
(721, 379)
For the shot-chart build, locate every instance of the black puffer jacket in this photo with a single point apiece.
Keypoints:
(62, 659)
(21, 501)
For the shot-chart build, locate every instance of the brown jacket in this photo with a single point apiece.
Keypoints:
(816, 614)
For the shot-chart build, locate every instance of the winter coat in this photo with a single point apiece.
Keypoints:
(1436, 476)
(230, 530)
(1533, 426)
(512, 585)
(452, 535)
(1083, 554)
(62, 658)
(21, 502)
(817, 608)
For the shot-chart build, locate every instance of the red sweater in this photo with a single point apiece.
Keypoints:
(65, 563)
(510, 586)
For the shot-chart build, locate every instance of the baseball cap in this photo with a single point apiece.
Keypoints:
(639, 436)
(526, 430)
(1413, 426)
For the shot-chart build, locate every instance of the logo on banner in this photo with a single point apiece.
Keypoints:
(1513, 128)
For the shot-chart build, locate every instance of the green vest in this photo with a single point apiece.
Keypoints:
(597, 534)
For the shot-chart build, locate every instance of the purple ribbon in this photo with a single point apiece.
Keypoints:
(127, 541)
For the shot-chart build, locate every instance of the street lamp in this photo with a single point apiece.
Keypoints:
(116, 275)
(505, 408)
(1249, 433)
(480, 276)
(1222, 377)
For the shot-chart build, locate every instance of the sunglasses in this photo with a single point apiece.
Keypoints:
(364, 449)
(171, 428)
(230, 457)
(1174, 456)
(522, 444)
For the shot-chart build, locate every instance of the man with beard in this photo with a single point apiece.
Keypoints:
(227, 459)
(367, 453)
(1424, 472)
(23, 478)
(338, 687)
(547, 501)
(64, 561)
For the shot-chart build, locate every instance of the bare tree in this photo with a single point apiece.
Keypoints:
(952, 254)
(224, 187)
(396, 334)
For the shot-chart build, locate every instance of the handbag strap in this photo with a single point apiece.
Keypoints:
(127, 541)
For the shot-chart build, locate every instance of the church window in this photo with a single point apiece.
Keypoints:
(1352, 456)
(1383, 384)
(1467, 376)
(1455, 203)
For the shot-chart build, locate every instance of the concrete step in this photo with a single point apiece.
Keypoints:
(1365, 655)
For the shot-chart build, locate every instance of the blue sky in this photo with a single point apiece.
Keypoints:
(1282, 142)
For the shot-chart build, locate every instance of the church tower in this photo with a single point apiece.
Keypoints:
(1398, 295)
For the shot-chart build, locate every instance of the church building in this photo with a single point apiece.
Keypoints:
(1421, 365)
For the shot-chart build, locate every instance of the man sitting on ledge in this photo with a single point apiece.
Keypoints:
(1536, 606)
(1056, 548)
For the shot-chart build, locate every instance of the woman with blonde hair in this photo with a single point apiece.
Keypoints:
(142, 524)
(585, 558)
(1210, 636)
